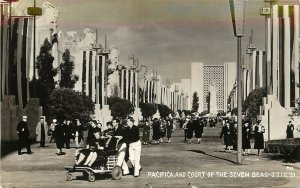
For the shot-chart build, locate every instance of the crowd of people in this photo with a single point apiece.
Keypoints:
(124, 136)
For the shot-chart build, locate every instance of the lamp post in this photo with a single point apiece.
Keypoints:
(34, 11)
(238, 8)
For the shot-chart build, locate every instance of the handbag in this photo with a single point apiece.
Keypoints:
(50, 132)
(263, 130)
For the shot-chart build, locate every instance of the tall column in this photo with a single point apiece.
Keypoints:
(269, 60)
(275, 50)
(87, 73)
(103, 64)
(122, 83)
(260, 69)
(28, 53)
(93, 76)
(287, 59)
(127, 85)
(130, 86)
(253, 67)
(97, 80)
(296, 47)
(137, 90)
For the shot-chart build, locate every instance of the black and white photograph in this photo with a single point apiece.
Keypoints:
(149, 93)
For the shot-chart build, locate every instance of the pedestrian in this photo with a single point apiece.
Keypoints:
(146, 132)
(163, 129)
(23, 133)
(170, 129)
(122, 147)
(41, 131)
(78, 133)
(189, 129)
(51, 130)
(246, 146)
(198, 126)
(135, 146)
(156, 131)
(290, 130)
(68, 133)
(227, 133)
(59, 134)
(259, 130)
(234, 135)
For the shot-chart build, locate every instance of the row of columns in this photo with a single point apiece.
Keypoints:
(15, 55)
(277, 69)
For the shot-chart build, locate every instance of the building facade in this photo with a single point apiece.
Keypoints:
(203, 76)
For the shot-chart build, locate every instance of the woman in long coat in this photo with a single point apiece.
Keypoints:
(246, 139)
(156, 131)
(259, 137)
(198, 126)
(42, 132)
(189, 129)
(227, 133)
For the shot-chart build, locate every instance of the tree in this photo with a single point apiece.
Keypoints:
(120, 108)
(45, 83)
(68, 80)
(195, 103)
(253, 102)
(164, 110)
(148, 109)
(65, 103)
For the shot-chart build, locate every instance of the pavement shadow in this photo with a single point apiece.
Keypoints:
(8, 147)
(202, 152)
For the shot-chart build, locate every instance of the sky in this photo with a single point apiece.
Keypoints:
(166, 35)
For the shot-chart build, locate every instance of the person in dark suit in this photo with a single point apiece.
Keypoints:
(227, 133)
(23, 133)
(246, 139)
(290, 130)
(190, 129)
(68, 133)
(198, 127)
(59, 134)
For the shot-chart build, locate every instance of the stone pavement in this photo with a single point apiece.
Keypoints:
(175, 164)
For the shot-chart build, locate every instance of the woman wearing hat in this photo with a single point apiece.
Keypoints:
(290, 130)
(259, 131)
(246, 139)
(228, 139)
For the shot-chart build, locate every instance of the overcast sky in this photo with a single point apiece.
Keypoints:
(164, 34)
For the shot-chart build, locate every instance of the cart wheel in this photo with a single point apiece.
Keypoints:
(116, 173)
(69, 177)
(91, 177)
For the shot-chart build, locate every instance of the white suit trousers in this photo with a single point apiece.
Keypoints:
(135, 149)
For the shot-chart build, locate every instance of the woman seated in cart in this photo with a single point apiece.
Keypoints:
(105, 145)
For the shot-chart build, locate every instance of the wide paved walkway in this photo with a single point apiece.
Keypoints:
(175, 164)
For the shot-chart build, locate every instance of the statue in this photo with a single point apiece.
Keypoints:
(213, 108)
(88, 40)
(112, 88)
